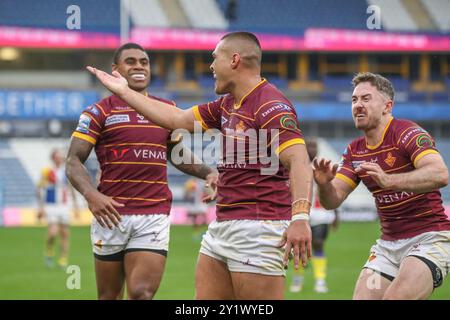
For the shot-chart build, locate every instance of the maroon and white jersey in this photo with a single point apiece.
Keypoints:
(243, 191)
(403, 214)
(132, 152)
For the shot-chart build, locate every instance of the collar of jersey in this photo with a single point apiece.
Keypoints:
(382, 137)
(237, 106)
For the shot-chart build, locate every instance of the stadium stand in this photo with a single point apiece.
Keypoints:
(97, 16)
(148, 13)
(438, 10)
(18, 188)
(175, 14)
(394, 15)
(288, 16)
(204, 14)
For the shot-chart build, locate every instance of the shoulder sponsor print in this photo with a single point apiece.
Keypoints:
(83, 124)
(118, 118)
(276, 107)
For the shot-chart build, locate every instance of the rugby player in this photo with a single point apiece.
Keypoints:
(130, 232)
(242, 255)
(399, 163)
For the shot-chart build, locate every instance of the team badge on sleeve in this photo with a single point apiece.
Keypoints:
(288, 122)
(424, 141)
(83, 124)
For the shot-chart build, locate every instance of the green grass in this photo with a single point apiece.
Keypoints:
(24, 276)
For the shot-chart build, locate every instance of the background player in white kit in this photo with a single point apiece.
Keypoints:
(320, 221)
(54, 195)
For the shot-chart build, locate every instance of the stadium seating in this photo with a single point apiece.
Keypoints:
(18, 188)
(439, 10)
(148, 13)
(99, 15)
(204, 14)
(394, 17)
(287, 16)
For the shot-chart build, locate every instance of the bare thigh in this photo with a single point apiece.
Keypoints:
(252, 286)
(414, 281)
(110, 279)
(370, 286)
(212, 280)
(143, 273)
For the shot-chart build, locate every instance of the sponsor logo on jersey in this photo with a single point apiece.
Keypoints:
(122, 108)
(141, 119)
(224, 120)
(118, 118)
(83, 124)
(280, 106)
(149, 154)
(390, 160)
(93, 110)
(394, 197)
(356, 164)
(410, 133)
(119, 153)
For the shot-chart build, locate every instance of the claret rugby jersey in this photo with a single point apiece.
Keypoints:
(403, 214)
(132, 152)
(244, 191)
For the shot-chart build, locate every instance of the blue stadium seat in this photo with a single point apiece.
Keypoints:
(206, 82)
(440, 96)
(18, 188)
(337, 83)
(278, 82)
(97, 16)
(400, 83)
(295, 16)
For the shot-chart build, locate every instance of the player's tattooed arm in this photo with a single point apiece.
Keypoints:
(186, 161)
(101, 206)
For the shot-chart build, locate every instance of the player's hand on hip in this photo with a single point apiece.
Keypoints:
(211, 183)
(374, 170)
(297, 238)
(324, 171)
(104, 209)
(114, 83)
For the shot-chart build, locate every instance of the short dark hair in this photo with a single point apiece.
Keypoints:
(126, 46)
(251, 58)
(381, 83)
(242, 35)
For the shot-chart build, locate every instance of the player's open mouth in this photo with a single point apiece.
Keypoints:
(360, 116)
(138, 76)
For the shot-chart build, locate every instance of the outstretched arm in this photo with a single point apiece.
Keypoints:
(163, 114)
(101, 206)
(332, 191)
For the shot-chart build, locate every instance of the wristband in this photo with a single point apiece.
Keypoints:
(300, 216)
